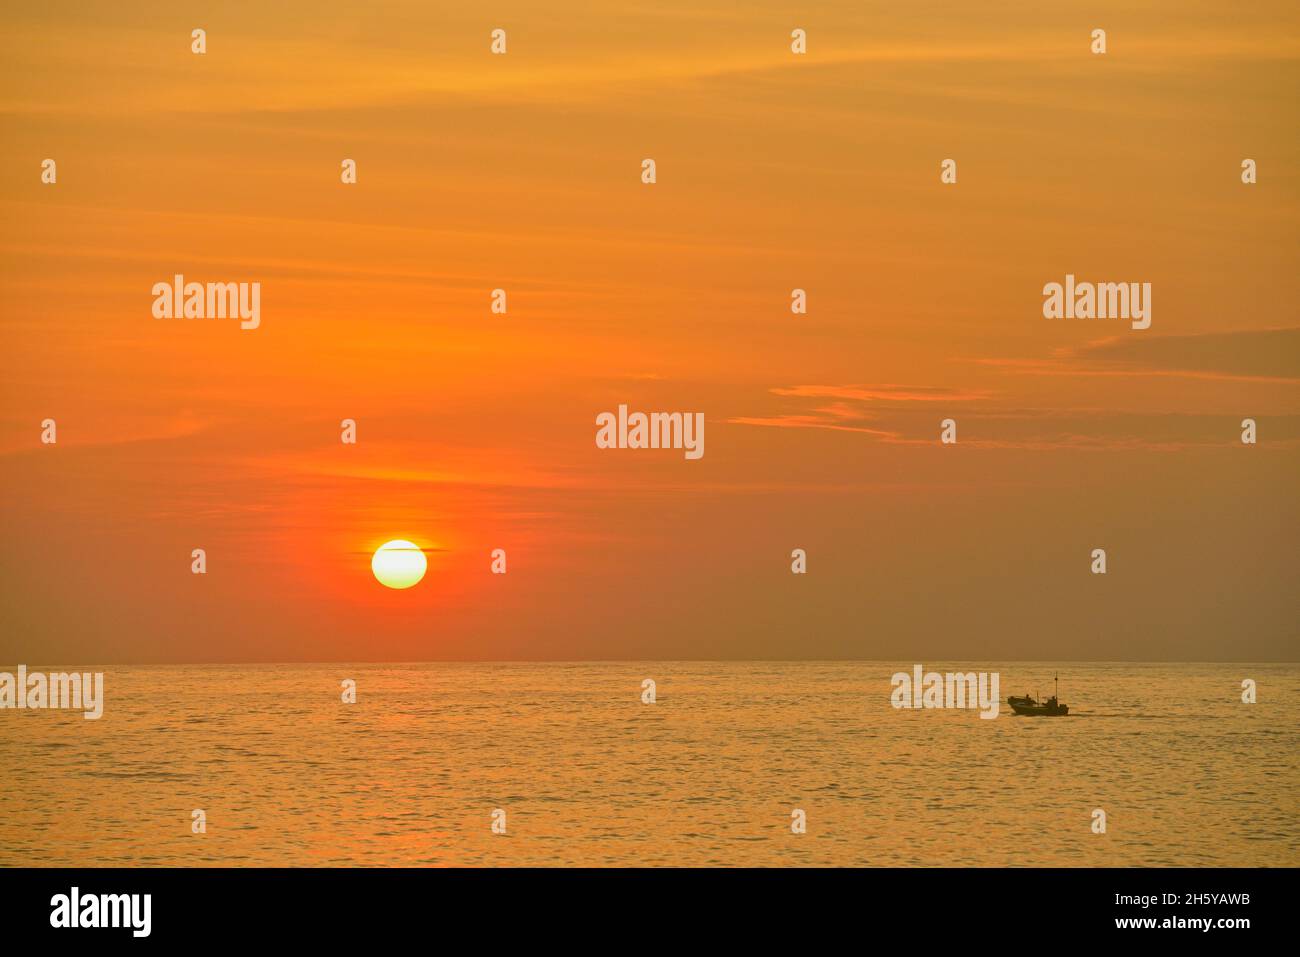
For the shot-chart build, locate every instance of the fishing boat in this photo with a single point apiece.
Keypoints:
(1032, 707)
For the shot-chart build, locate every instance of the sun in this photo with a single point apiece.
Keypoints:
(399, 563)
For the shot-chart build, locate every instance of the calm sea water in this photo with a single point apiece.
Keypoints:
(708, 775)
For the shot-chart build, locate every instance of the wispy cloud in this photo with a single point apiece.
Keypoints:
(884, 393)
(910, 415)
(1257, 355)
(857, 404)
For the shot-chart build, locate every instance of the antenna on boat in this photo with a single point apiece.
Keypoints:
(1057, 679)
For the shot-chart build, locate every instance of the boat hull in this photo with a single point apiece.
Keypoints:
(1039, 710)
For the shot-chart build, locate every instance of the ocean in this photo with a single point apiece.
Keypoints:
(711, 773)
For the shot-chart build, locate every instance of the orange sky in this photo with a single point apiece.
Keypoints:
(477, 431)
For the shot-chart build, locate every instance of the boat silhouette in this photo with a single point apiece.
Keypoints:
(1032, 707)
